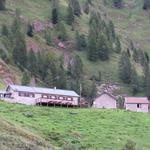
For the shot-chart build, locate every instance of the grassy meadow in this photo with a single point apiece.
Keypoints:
(87, 129)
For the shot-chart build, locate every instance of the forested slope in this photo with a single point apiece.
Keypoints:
(79, 42)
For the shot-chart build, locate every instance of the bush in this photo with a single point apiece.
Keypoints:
(130, 145)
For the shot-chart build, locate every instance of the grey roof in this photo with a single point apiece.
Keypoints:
(43, 90)
(2, 92)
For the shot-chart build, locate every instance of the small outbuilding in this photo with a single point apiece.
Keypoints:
(139, 104)
(105, 100)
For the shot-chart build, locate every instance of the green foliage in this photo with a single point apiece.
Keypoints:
(30, 30)
(48, 37)
(70, 15)
(86, 8)
(54, 16)
(49, 79)
(118, 45)
(62, 75)
(76, 7)
(2, 4)
(135, 82)
(26, 78)
(130, 145)
(19, 51)
(63, 35)
(118, 3)
(100, 38)
(32, 62)
(4, 30)
(147, 80)
(81, 43)
(76, 67)
(120, 102)
(125, 69)
(89, 90)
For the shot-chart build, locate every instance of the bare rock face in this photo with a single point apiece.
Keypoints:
(107, 87)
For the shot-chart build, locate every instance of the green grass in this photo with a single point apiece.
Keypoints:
(88, 129)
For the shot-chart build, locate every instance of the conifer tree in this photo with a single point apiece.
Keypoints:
(147, 79)
(118, 45)
(32, 62)
(125, 69)
(26, 78)
(76, 7)
(30, 30)
(5, 30)
(70, 16)
(103, 47)
(19, 51)
(92, 40)
(2, 4)
(135, 81)
(63, 35)
(147, 57)
(111, 30)
(118, 3)
(54, 16)
(48, 37)
(49, 79)
(76, 67)
(62, 76)
(80, 41)
(16, 26)
(86, 7)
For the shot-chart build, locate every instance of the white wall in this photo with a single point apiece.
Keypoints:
(15, 98)
(133, 107)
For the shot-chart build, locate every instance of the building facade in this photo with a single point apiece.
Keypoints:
(138, 104)
(35, 95)
(105, 100)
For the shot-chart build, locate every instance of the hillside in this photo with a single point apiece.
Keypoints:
(131, 23)
(84, 128)
(13, 136)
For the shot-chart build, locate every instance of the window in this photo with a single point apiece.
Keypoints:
(61, 98)
(25, 94)
(139, 106)
(44, 96)
(69, 98)
(53, 97)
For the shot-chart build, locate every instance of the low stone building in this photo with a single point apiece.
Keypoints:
(105, 100)
(139, 104)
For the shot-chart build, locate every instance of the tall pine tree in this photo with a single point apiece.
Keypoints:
(125, 69)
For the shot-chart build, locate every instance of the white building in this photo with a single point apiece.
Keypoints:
(139, 104)
(35, 95)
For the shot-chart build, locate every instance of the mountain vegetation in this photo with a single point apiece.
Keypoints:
(73, 41)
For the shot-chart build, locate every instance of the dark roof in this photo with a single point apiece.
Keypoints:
(20, 88)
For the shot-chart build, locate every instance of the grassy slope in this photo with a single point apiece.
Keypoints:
(13, 137)
(88, 129)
